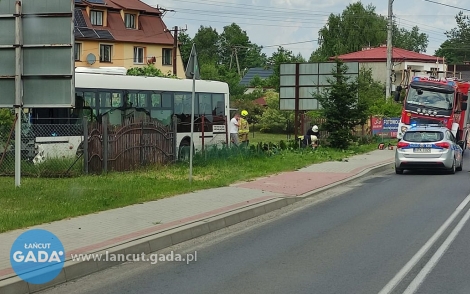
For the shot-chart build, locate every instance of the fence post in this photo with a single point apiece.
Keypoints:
(202, 126)
(105, 143)
(141, 149)
(227, 132)
(85, 145)
(174, 132)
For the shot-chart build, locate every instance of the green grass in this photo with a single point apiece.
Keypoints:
(257, 137)
(42, 200)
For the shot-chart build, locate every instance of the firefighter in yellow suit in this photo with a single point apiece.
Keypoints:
(244, 129)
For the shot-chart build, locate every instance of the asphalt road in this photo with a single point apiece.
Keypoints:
(367, 236)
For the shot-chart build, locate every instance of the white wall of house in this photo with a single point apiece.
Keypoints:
(379, 70)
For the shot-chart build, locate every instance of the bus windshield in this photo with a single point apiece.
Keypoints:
(428, 98)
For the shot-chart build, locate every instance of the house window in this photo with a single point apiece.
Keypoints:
(129, 20)
(96, 17)
(167, 56)
(105, 53)
(77, 51)
(138, 55)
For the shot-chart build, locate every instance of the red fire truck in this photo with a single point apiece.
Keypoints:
(431, 101)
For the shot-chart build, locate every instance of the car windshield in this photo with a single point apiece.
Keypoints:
(426, 136)
(428, 98)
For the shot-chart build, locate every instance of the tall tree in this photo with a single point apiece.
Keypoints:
(455, 49)
(185, 45)
(207, 42)
(410, 40)
(235, 44)
(341, 107)
(282, 55)
(356, 27)
(359, 27)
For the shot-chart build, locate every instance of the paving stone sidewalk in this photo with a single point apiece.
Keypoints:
(95, 232)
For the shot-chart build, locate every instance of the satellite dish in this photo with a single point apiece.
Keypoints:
(91, 58)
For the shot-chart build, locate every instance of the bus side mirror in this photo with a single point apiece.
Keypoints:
(463, 107)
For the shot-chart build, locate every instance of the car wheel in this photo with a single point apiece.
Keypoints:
(398, 171)
(453, 168)
(461, 165)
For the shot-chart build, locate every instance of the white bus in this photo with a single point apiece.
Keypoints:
(105, 89)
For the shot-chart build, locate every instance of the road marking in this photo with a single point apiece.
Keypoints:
(423, 250)
(419, 279)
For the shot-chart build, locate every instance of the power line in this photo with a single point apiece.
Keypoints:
(460, 8)
(294, 43)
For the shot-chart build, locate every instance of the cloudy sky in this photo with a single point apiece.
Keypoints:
(294, 24)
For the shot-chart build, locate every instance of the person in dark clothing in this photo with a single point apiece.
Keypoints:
(314, 134)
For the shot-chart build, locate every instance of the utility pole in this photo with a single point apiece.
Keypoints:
(235, 52)
(389, 50)
(175, 48)
(236, 58)
(175, 31)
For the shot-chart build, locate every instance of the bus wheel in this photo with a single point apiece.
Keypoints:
(184, 151)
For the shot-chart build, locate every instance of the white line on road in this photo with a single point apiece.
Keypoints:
(419, 279)
(422, 251)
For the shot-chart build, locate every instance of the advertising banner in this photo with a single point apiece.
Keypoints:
(386, 127)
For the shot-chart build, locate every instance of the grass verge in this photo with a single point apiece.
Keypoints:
(42, 200)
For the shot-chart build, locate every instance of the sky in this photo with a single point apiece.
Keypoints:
(294, 24)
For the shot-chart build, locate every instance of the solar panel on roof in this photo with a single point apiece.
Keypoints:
(104, 34)
(88, 33)
(96, 1)
(79, 19)
(77, 34)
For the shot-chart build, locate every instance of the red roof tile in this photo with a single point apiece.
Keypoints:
(261, 101)
(134, 5)
(379, 54)
(151, 30)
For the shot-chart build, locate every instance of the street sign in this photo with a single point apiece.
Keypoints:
(36, 58)
(300, 81)
(37, 53)
(192, 69)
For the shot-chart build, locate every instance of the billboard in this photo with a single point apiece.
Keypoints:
(300, 81)
(37, 53)
(385, 126)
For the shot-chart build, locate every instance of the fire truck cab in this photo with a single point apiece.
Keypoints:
(431, 101)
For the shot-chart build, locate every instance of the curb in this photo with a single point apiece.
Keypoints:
(75, 270)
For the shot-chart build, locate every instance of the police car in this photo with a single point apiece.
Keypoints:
(429, 147)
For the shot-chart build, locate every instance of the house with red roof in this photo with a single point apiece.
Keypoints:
(123, 33)
(376, 60)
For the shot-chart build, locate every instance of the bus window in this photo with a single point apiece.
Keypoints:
(89, 98)
(163, 115)
(115, 117)
(205, 103)
(167, 100)
(218, 103)
(137, 99)
(142, 100)
(111, 99)
(156, 99)
(183, 103)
